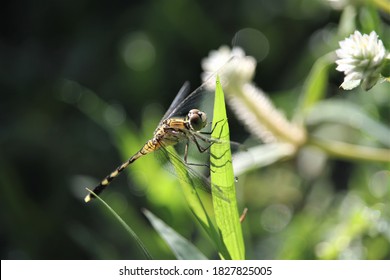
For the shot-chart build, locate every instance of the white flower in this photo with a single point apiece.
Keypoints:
(361, 58)
(232, 64)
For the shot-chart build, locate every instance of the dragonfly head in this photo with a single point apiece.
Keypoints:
(196, 119)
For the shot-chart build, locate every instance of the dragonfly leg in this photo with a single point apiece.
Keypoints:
(204, 139)
(211, 141)
(196, 137)
(215, 125)
(200, 148)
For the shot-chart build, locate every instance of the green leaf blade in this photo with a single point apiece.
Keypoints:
(181, 247)
(222, 180)
(315, 85)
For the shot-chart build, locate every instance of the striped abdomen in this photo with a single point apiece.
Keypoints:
(169, 133)
(149, 147)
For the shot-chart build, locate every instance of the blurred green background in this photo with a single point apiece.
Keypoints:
(83, 85)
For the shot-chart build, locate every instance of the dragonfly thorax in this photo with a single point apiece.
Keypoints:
(196, 119)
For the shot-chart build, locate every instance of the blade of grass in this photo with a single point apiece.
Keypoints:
(222, 179)
(315, 86)
(127, 228)
(181, 247)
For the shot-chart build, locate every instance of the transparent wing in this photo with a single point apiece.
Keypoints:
(181, 95)
(191, 101)
(203, 94)
(184, 172)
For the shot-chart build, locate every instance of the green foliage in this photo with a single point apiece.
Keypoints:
(182, 248)
(222, 179)
(316, 83)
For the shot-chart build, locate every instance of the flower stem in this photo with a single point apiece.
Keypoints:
(350, 151)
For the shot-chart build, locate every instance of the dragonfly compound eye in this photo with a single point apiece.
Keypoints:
(197, 119)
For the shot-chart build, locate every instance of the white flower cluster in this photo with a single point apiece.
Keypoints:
(361, 58)
(250, 104)
(232, 64)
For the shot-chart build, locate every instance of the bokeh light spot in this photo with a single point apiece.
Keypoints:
(138, 52)
(275, 217)
(380, 183)
(253, 42)
(114, 115)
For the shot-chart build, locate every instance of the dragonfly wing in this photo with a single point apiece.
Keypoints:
(191, 101)
(185, 102)
(176, 165)
(181, 95)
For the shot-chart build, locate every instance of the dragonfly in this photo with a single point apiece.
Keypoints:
(172, 130)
